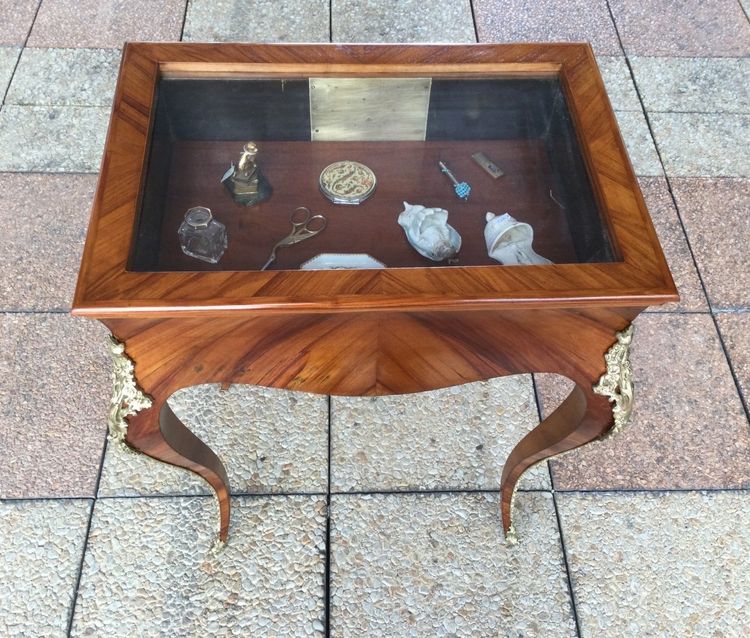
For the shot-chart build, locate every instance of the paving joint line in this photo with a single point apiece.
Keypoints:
(676, 312)
(566, 563)
(407, 492)
(41, 499)
(38, 172)
(38, 105)
(13, 311)
(656, 490)
(474, 20)
(210, 495)
(20, 53)
(46, 173)
(12, 75)
(539, 416)
(674, 112)
(732, 370)
(561, 535)
(413, 491)
(327, 574)
(731, 311)
(667, 179)
(184, 20)
(71, 616)
(330, 21)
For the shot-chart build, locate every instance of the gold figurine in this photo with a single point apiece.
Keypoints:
(244, 181)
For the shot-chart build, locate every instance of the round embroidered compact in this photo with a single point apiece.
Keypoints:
(347, 182)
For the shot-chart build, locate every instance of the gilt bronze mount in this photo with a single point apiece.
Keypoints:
(127, 398)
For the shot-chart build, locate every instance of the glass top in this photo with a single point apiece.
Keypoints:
(406, 172)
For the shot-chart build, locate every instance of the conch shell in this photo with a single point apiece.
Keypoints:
(428, 231)
(509, 241)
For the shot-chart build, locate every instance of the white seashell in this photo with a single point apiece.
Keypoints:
(509, 241)
(429, 232)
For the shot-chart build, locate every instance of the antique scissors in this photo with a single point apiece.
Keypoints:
(302, 228)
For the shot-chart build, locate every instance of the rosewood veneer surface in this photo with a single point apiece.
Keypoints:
(364, 332)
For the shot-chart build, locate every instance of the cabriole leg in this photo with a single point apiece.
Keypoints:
(584, 416)
(148, 425)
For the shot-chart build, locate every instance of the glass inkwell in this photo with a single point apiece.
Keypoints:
(244, 181)
(201, 236)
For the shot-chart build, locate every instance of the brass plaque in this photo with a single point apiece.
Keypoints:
(369, 109)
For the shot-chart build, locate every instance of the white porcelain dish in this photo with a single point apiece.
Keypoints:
(341, 261)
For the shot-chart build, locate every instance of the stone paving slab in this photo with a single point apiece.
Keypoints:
(149, 571)
(8, 59)
(735, 330)
(65, 77)
(693, 84)
(44, 219)
(715, 213)
(58, 139)
(106, 23)
(619, 83)
(547, 21)
(41, 544)
(54, 389)
(659, 564)
(269, 441)
(703, 144)
(258, 21)
(674, 244)
(437, 566)
(688, 430)
(456, 438)
(639, 143)
(402, 21)
(682, 28)
(16, 17)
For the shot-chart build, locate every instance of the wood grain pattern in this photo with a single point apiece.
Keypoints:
(641, 278)
(367, 332)
(369, 354)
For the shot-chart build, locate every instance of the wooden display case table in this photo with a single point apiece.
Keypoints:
(181, 115)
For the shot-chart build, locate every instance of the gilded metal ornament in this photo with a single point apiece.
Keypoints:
(217, 548)
(127, 398)
(511, 538)
(617, 382)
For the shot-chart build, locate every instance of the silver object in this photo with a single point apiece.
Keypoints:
(300, 230)
(462, 188)
(347, 182)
